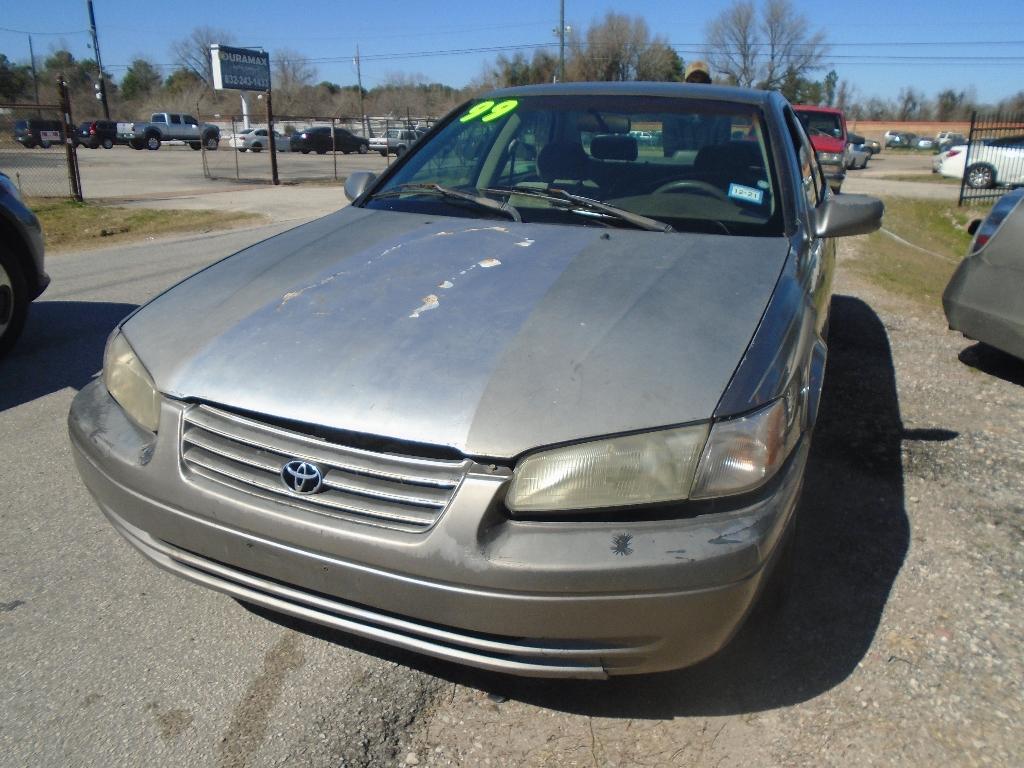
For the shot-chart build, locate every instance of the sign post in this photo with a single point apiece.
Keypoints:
(246, 69)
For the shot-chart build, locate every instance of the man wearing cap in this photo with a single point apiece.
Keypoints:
(697, 72)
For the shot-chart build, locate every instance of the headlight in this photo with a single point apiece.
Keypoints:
(744, 453)
(634, 469)
(130, 384)
(830, 158)
(738, 456)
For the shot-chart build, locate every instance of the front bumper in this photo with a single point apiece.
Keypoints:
(835, 175)
(551, 599)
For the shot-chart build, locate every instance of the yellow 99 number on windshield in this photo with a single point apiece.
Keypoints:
(489, 110)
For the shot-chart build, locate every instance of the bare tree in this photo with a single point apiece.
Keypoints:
(193, 52)
(291, 70)
(765, 52)
(620, 47)
(732, 41)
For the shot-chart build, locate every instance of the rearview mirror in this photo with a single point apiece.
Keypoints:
(845, 215)
(357, 183)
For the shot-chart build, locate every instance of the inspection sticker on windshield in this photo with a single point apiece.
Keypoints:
(749, 194)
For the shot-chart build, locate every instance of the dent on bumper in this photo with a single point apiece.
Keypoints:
(580, 600)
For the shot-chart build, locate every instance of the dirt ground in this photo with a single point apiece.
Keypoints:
(901, 644)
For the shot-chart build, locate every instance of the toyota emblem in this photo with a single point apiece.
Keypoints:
(302, 476)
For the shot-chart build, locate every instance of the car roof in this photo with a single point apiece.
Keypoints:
(677, 90)
(816, 108)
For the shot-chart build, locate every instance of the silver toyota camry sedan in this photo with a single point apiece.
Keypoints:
(538, 401)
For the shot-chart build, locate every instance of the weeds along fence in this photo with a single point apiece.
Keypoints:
(994, 157)
(308, 148)
(33, 151)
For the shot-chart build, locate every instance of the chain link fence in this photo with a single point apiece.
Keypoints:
(32, 150)
(310, 148)
(994, 157)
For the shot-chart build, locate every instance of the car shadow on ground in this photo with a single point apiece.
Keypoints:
(994, 362)
(61, 346)
(852, 537)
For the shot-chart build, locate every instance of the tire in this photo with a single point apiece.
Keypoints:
(45, 144)
(108, 143)
(195, 145)
(256, 148)
(321, 151)
(363, 149)
(153, 142)
(401, 151)
(13, 301)
(305, 151)
(981, 176)
(211, 142)
(242, 149)
(137, 144)
(383, 153)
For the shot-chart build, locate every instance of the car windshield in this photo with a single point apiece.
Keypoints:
(701, 165)
(821, 123)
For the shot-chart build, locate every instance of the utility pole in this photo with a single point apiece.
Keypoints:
(99, 61)
(561, 40)
(35, 78)
(359, 80)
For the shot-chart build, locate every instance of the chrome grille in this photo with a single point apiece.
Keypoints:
(385, 489)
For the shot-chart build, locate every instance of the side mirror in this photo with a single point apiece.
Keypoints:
(358, 182)
(973, 226)
(845, 215)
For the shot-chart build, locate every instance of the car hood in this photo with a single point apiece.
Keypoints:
(486, 336)
(827, 144)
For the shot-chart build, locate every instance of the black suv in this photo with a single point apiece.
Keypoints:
(318, 140)
(97, 133)
(38, 133)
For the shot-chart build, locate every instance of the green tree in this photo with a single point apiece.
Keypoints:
(182, 80)
(141, 79)
(620, 47)
(15, 80)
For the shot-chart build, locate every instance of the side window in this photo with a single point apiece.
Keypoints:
(175, 119)
(158, 117)
(189, 120)
(812, 182)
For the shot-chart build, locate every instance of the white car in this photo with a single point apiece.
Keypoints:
(257, 139)
(993, 162)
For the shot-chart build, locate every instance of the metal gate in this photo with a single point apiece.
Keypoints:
(994, 159)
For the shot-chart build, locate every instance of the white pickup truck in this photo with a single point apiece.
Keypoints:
(169, 126)
(396, 141)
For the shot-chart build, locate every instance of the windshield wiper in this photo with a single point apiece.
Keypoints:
(578, 201)
(484, 202)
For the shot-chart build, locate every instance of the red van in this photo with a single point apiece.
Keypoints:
(826, 128)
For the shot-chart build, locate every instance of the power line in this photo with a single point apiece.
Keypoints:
(56, 34)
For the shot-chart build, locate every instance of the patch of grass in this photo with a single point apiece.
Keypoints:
(929, 178)
(922, 242)
(68, 224)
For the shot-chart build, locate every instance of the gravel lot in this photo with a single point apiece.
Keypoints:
(900, 645)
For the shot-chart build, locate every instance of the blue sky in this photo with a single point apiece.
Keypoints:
(878, 46)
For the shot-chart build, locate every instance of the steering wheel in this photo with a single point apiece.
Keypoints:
(703, 187)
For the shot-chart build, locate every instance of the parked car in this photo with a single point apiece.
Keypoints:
(169, 126)
(873, 146)
(257, 139)
(38, 132)
(22, 277)
(987, 163)
(827, 128)
(923, 142)
(237, 139)
(946, 139)
(97, 133)
(318, 139)
(477, 415)
(396, 141)
(901, 139)
(984, 300)
(857, 152)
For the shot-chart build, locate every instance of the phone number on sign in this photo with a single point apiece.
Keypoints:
(248, 82)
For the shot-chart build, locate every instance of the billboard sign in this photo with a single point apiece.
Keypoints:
(240, 69)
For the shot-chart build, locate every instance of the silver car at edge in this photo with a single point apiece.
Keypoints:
(539, 401)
